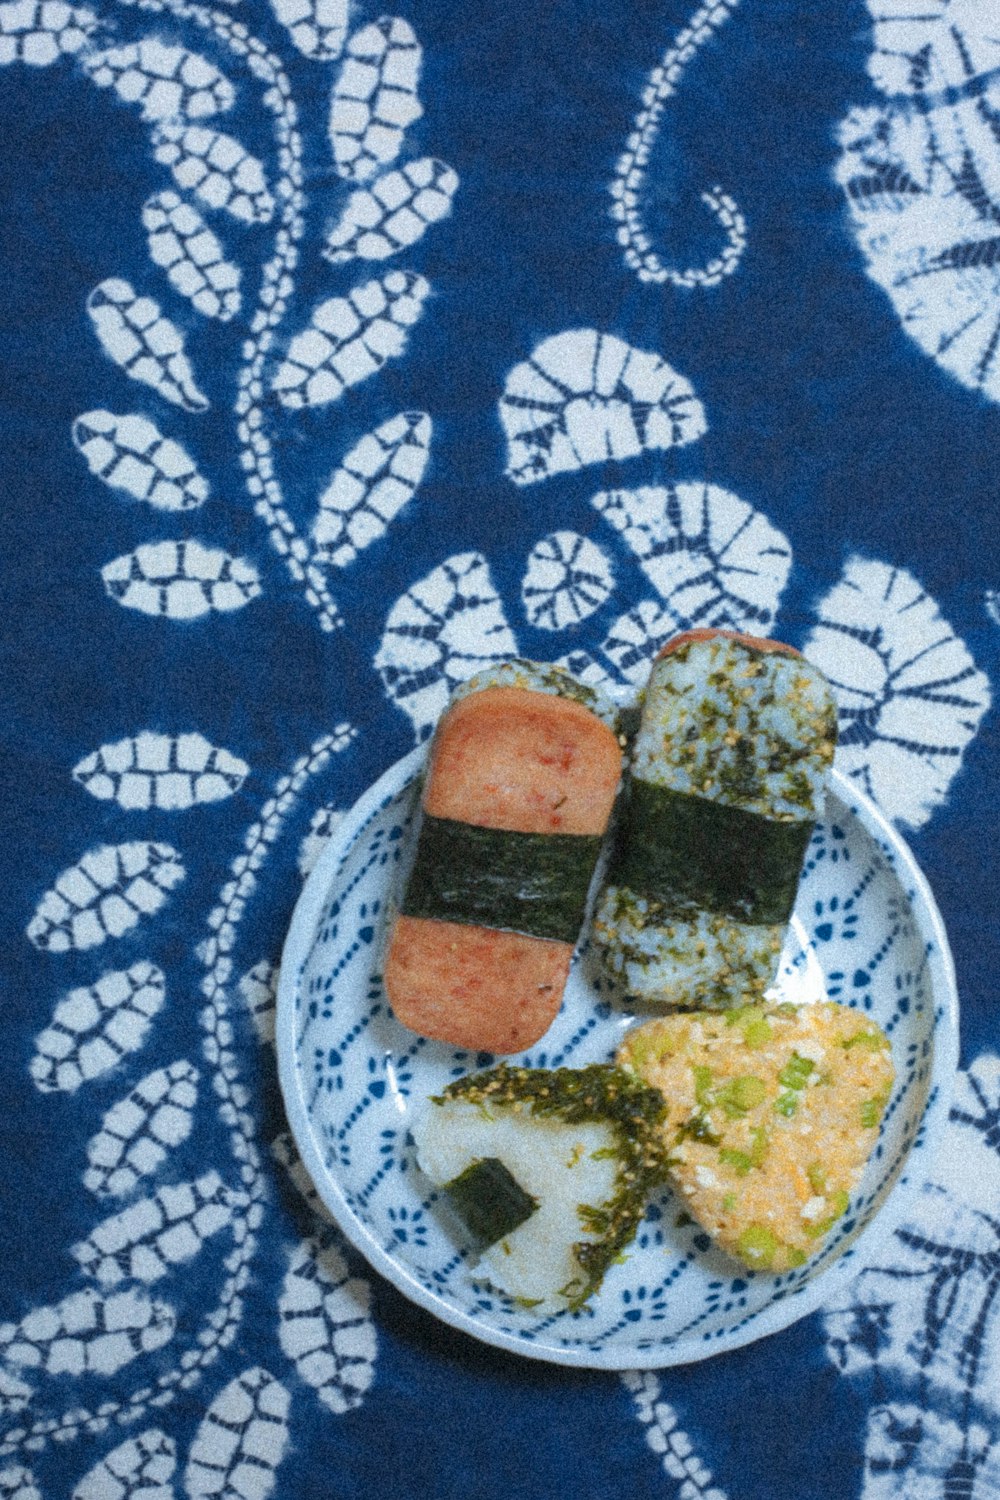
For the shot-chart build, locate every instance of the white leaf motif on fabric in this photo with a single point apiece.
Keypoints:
(15, 1394)
(18, 1483)
(146, 1239)
(567, 578)
(317, 27)
(349, 339)
(369, 489)
(224, 919)
(627, 189)
(241, 1440)
(584, 397)
(183, 245)
(917, 1453)
(393, 213)
(324, 824)
(88, 1333)
(325, 1326)
(180, 580)
(220, 172)
(285, 1154)
(113, 887)
(931, 1307)
(137, 1133)
(131, 454)
(375, 98)
(938, 46)
(910, 697)
(165, 82)
(712, 558)
(922, 179)
(446, 626)
(635, 638)
(585, 668)
(666, 1437)
(148, 347)
(172, 772)
(141, 1468)
(259, 989)
(95, 1026)
(39, 32)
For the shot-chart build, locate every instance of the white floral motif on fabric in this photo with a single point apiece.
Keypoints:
(910, 696)
(921, 174)
(929, 1314)
(586, 396)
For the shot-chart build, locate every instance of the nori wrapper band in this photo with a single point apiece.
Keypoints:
(533, 883)
(687, 852)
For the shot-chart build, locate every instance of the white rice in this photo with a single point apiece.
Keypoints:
(562, 1165)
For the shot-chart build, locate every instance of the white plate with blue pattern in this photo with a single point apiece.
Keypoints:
(865, 932)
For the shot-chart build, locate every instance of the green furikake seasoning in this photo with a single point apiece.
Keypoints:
(535, 883)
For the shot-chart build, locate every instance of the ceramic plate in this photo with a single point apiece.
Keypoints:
(865, 932)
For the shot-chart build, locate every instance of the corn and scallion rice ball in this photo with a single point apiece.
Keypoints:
(772, 1113)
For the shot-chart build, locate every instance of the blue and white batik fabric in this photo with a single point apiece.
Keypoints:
(345, 352)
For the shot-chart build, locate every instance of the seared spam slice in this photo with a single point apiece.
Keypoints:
(726, 780)
(548, 1171)
(523, 771)
(773, 1112)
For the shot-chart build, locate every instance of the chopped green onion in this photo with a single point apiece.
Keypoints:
(838, 1206)
(871, 1111)
(752, 1022)
(816, 1173)
(795, 1072)
(758, 1146)
(757, 1245)
(741, 1094)
(868, 1041)
(703, 1085)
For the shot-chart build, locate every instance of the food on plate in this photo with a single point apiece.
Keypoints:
(549, 1170)
(523, 771)
(725, 782)
(773, 1112)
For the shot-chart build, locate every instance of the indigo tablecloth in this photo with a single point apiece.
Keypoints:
(322, 335)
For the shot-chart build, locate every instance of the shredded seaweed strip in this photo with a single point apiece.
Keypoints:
(600, 1092)
(688, 852)
(534, 883)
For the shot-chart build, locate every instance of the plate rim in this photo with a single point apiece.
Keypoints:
(810, 1296)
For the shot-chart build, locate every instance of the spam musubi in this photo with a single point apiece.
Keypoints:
(548, 1171)
(726, 780)
(522, 775)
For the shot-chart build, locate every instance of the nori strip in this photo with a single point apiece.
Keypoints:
(534, 883)
(489, 1200)
(688, 852)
